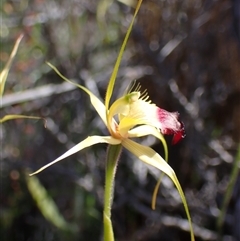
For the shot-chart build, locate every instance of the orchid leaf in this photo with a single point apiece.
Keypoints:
(89, 141)
(119, 58)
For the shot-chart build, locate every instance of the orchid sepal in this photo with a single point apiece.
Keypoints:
(146, 130)
(150, 157)
(89, 141)
(119, 58)
(96, 102)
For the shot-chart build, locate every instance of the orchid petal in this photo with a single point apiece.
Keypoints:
(145, 112)
(119, 106)
(89, 141)
(149, 156)
(4, 73)
(138, 116)
(171, 125)
(149, 130)
(145, 130)
(97, 104)
(119, 58)
(127, 123)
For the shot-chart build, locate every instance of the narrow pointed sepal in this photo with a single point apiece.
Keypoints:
(89, 141)
(119, 58)
(149, 156)
(97, 104)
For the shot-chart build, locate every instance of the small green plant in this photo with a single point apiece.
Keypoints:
(132, 115)
(3, 78)
(44, 202)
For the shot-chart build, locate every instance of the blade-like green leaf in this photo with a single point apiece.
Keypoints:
(89, 141)
(119, 58)
(4, 73)
(97, 104)
(149, 156)
(46, 204)
(12, 117)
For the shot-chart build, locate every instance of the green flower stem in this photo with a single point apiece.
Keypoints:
(111, 166)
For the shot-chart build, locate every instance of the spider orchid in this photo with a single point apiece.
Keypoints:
(132, 115)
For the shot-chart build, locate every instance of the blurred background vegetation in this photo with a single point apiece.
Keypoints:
(185, 53)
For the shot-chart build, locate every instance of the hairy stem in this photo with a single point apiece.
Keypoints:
(111, 165)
